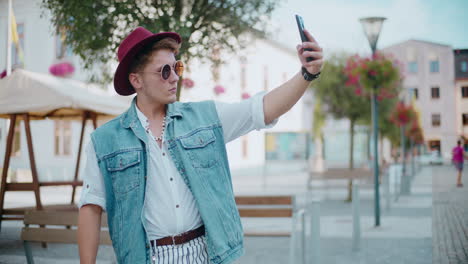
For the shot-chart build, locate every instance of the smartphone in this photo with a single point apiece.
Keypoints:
(300, 25)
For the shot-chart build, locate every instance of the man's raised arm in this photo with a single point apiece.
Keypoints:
(281, 99)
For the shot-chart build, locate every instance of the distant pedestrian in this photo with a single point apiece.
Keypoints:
(458, 155)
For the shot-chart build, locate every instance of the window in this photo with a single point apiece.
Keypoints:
(464, 66)
(17, 55)
(62, 138)
(434, 145)
(435, 93)
(465, 119)
(464, 91)
(435, 120)
(413, 67)
(434, 66)
(413, 92)
(61, 49)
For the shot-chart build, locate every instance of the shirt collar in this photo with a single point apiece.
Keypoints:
(143, 119)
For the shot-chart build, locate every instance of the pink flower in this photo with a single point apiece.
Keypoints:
(358, 91)
(245, 95)
(218, 89)
(352, 80)
(188, 83)
(372, 73)
(61, 69)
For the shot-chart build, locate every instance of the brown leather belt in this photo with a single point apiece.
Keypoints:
(181, 238)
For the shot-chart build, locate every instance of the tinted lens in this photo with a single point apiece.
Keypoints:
(166, 72)
(179, 68)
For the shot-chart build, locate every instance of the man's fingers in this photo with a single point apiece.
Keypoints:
(311, 45)
(317, 62)
(313, 54)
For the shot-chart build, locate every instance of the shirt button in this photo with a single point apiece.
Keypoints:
(87, 185)
(164, 154)
(177, 206)
(171, 179)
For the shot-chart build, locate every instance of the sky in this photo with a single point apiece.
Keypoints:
(335, 23)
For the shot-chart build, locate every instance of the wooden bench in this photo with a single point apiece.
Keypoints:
(267, 207)
(61, 228)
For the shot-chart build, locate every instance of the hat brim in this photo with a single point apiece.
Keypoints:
(122, 84)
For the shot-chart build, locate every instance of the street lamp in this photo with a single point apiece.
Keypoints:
(372, 27)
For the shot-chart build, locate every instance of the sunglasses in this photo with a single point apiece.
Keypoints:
(166, 70)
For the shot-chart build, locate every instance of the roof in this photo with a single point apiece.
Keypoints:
(420, 41)
(46, 96)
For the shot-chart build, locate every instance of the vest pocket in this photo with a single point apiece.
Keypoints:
(200, 147)
(124, 169)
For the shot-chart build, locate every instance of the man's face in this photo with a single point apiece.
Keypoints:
(152, 85)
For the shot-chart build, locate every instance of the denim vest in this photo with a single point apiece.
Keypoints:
(194, 137)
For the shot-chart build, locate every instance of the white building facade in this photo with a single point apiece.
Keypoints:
(262, 66)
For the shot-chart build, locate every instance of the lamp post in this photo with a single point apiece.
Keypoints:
(372, 27)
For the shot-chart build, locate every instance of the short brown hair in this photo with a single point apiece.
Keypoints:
(144, 56)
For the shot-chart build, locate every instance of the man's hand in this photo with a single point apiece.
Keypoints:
(281, 99)
(314, 66)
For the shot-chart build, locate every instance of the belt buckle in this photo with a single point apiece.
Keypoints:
(173, 241)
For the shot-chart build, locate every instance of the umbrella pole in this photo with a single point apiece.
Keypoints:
(77, 169)
(6, 164)
(32, 162)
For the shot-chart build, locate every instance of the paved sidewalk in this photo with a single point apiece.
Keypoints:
(450, 216)
(405, 234)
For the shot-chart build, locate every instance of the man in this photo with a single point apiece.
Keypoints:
(458, 156)
(160, 170)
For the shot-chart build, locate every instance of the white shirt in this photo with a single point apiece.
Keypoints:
(170, 207)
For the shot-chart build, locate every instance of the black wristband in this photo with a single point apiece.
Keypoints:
(309, 76)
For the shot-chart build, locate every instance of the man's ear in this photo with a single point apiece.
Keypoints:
(135, 80)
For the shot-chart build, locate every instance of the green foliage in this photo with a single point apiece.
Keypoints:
(340, 100)
(319, 119)
(94, 29)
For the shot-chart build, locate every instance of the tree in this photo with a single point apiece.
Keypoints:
(94, 29)
(341, 100)
(382, 74)
(345, 88)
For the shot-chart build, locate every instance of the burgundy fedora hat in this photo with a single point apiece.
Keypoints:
(129, 47)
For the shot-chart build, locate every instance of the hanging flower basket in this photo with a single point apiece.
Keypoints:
(402, 114)
(219, 89)
(188, 83)
(62, 69)
(379, 72)
(245, 95)
(415, 132)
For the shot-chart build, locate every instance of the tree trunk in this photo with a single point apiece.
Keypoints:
(351, 159)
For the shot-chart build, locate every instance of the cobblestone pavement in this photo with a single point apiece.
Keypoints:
(450, 217)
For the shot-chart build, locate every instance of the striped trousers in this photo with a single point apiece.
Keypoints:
(192, 252)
